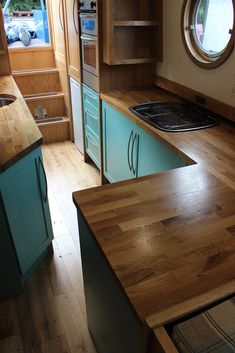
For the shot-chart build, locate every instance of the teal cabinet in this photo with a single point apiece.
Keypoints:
(153, 156)
(112, 322)
(129, 151)
(118, 132)
(91, 123)
(24, 203)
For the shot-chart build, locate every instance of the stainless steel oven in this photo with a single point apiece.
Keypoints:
(90, 51)
(90, 60)
(88, 23)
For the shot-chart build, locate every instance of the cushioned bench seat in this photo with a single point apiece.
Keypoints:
(213, 331)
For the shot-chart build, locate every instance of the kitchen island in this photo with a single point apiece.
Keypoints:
(25, 222)
(168, 238)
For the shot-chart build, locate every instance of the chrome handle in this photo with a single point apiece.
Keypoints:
(86, 15)
(60, 7)
(132, 153)
(137, 153)
(74, 22)
(40, 163)
(91, 141)
(89, 39)
(90, 114)
(136, 138)
(90, 95)
(128, 150)
(45, 178)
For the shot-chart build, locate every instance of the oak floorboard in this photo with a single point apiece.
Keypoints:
(50, 316)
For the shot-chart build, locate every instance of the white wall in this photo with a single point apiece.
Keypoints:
(178, 67)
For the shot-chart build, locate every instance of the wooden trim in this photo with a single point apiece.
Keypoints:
(164, 342)
(23, 73)
(216, 106)
(31, 49)
(191, 47)
(190, 306)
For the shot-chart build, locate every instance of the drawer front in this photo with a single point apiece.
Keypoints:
(91, 97)
(91, 118)
(92, 146)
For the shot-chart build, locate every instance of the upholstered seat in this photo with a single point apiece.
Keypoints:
(213, 331)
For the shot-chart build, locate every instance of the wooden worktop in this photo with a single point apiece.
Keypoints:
(19, 133)
(170, 237)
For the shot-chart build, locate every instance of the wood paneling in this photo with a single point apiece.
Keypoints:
(63, 75)
(38, 81)
(18, 132)
(72, 38)
(53, 104)
(32, 58)
(163, 342)
(212, 104)
(124, 77)
(55, 131)
(58, 29)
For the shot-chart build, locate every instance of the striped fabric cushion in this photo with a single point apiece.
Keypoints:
(210, 332)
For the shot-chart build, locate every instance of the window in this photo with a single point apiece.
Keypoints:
(208, 30)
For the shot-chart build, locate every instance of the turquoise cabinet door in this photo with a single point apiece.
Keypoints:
(24, 194)
(91, 109)
(155, 157)
(112, 322)
(118, 134)
(90, 101)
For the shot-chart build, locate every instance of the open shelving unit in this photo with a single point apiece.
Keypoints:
(132, 31)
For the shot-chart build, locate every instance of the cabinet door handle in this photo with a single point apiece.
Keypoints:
(90, 95)
(60, 8)
(90, 114)
(136, 138)
(91, 141)
(128, 150)
(89, 39)
(45, 178)
(74, 22)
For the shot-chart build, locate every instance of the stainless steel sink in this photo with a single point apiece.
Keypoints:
(174, 116)
(6, 99)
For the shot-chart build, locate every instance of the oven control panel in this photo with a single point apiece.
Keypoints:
(87, 6)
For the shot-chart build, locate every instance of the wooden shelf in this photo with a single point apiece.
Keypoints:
(134, 61)
(136, 23)
(132, 32)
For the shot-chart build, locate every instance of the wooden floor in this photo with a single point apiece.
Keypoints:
(50, 316)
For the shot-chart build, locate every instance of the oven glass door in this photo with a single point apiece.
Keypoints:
(88, 24)
(90, 54)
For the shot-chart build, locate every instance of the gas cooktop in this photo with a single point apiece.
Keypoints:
(174, 116)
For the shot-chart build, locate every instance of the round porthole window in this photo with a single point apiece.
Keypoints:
(208, 30)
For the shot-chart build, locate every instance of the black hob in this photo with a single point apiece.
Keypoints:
(174, 116)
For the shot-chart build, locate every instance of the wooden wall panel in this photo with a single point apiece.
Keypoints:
(31, 58)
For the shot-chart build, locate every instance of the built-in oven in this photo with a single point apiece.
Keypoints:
(90, 60)
(89, 48)
(88, 23)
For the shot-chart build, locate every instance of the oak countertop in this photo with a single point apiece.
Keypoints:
(170, 237)
(19, 134)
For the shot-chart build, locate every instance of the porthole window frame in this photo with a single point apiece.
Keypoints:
(198, 56)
